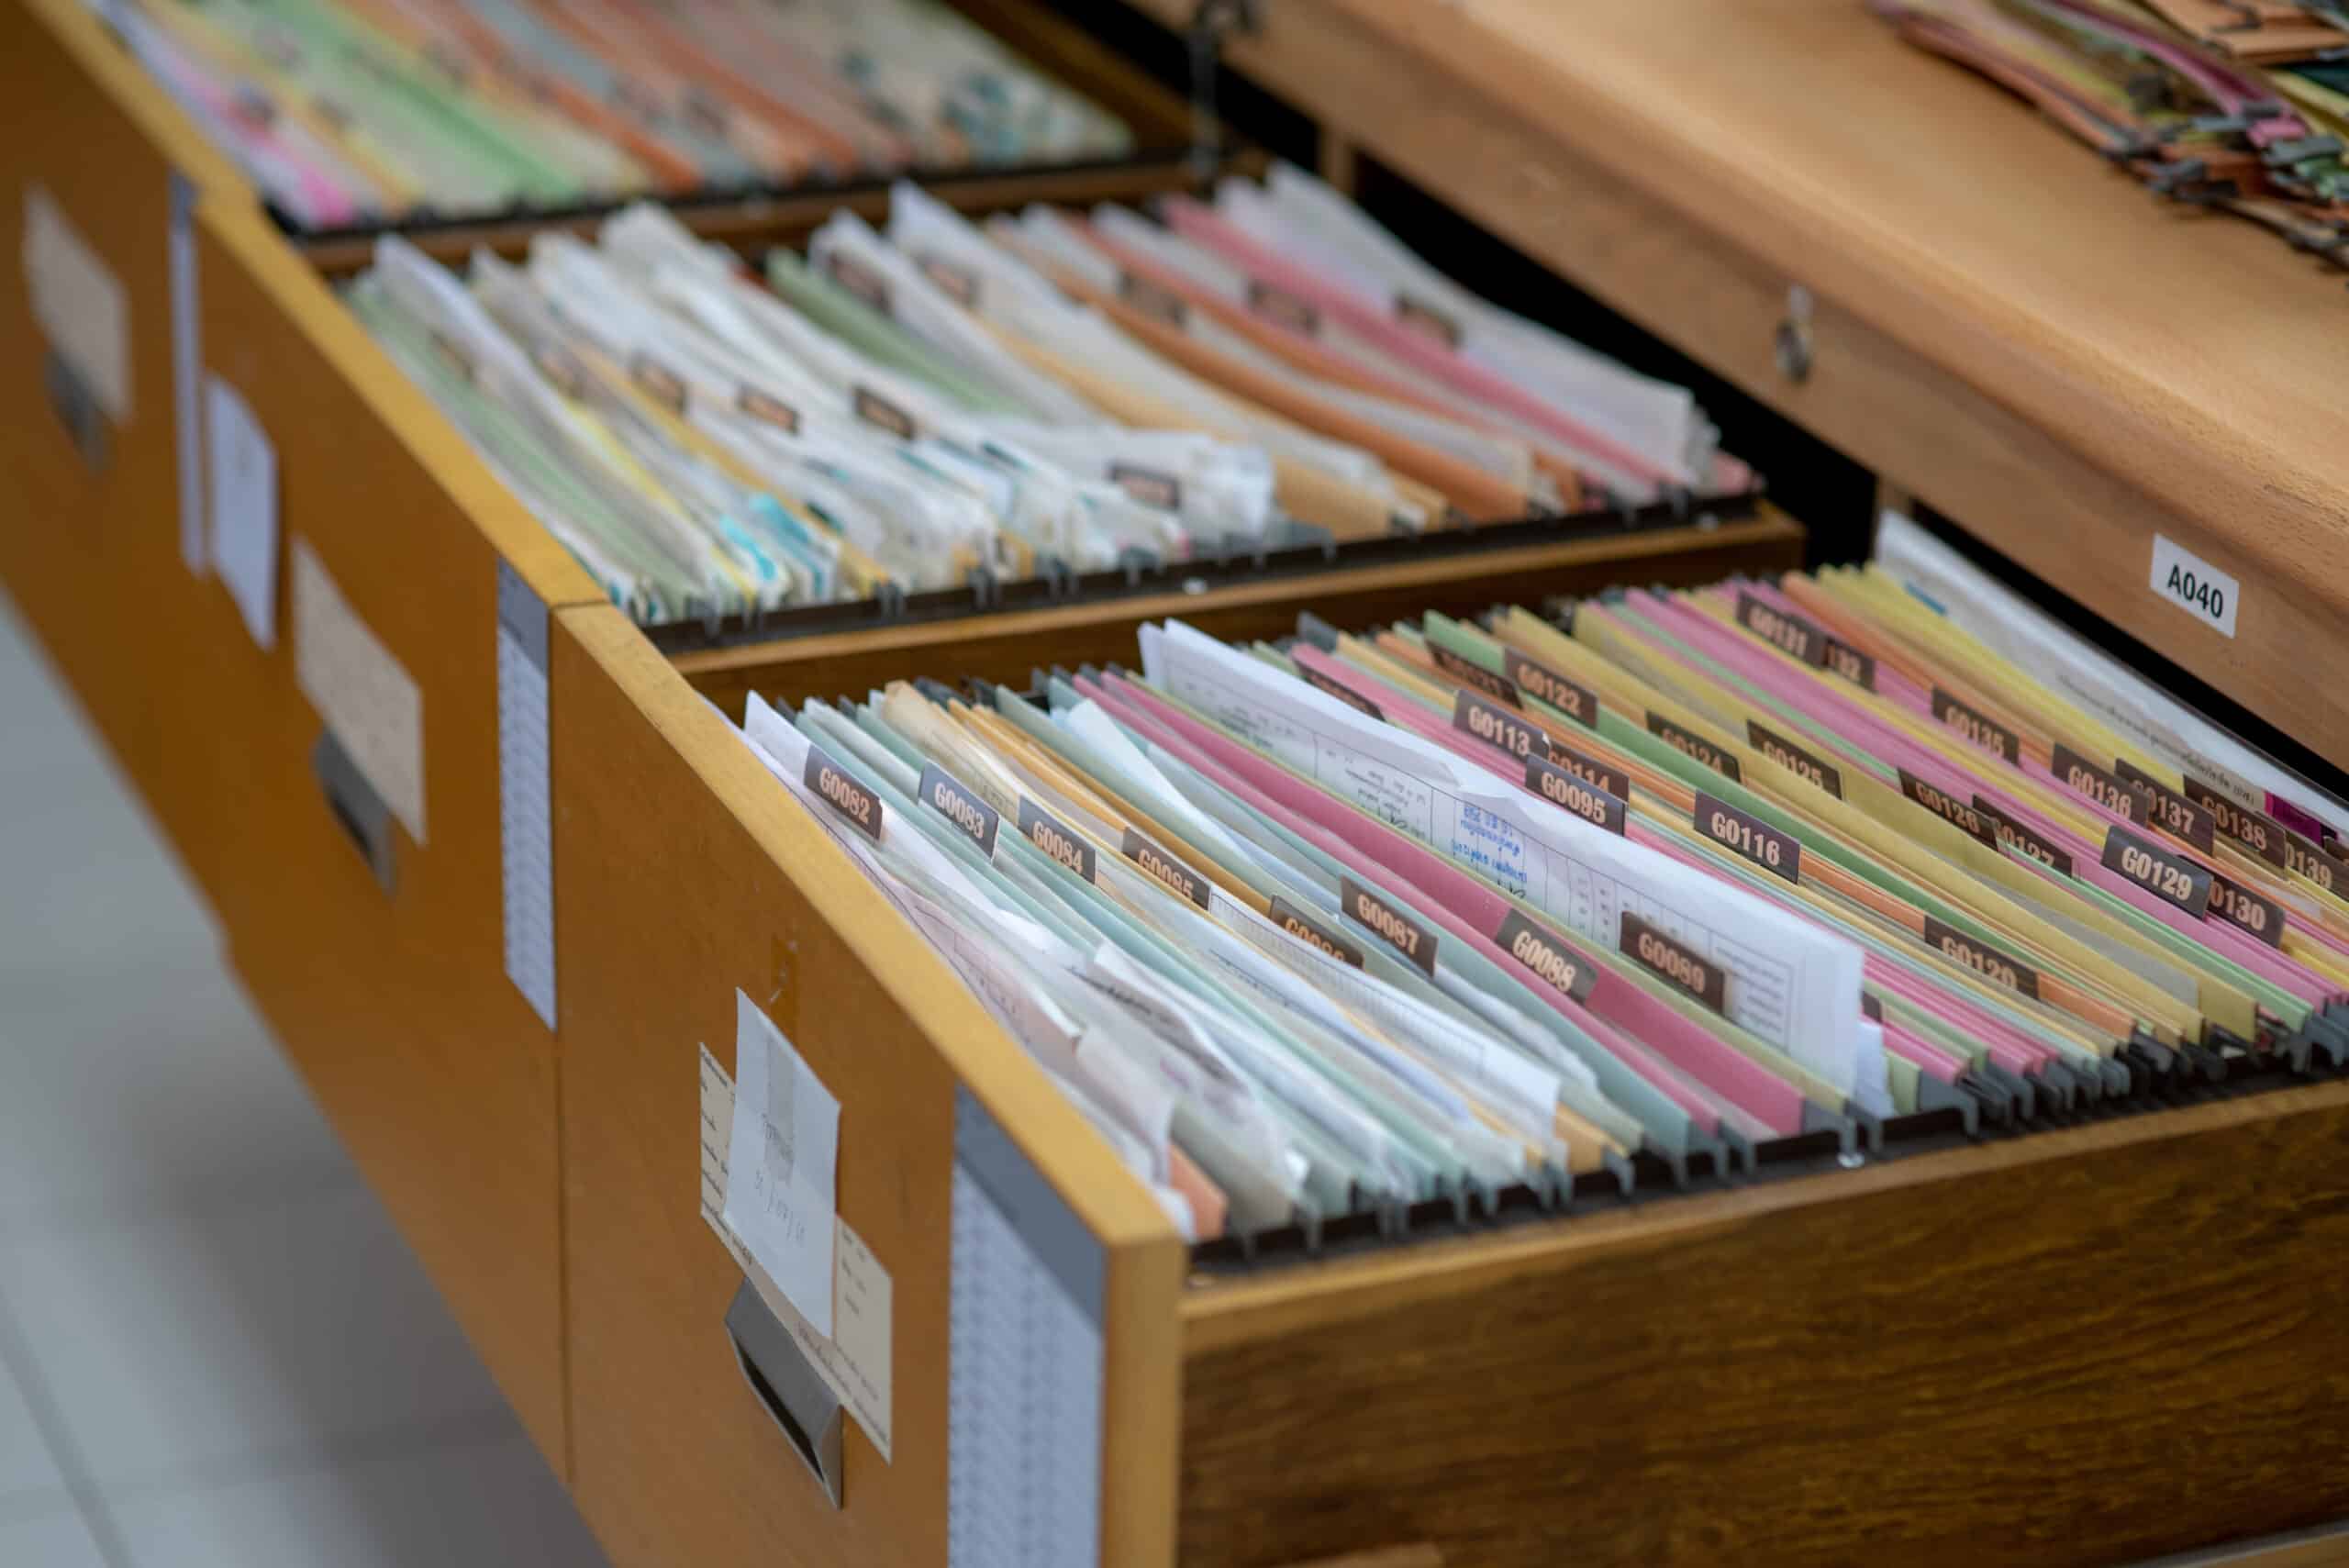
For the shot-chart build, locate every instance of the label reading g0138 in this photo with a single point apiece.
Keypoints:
(2196, 586)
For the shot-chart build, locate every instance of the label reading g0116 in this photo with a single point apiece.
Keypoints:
(2196, 586)
(1743, 834)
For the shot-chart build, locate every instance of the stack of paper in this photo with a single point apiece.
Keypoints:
(361, 111)
(1448, 908)
(1049, 391)
(2237, 103)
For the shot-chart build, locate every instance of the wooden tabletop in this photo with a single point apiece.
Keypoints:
(2009, 328)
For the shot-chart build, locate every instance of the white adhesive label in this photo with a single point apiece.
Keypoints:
(524, 812)
(78, 302)
(243, 467)
(365, 694)
(855, 1363)
(187, 375)
(2196, 586)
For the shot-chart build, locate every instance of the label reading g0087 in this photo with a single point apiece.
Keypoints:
(2196, 586)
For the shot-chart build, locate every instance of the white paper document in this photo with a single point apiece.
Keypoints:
(241, 466)
(781, 1158)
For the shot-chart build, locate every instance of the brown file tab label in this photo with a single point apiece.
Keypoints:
(1850, 664)
(1547, 954)
(2301, 855)
(561, 368)
(1703, 751)
(1339, 690)
(1678, 962)
(1788, 755)
(1590, 770)
(2014, 834)
(1497, 726)
(1148, 485)
(1535, 679)
(860, 280)
(1561, 785)
(1998, 968)
(2130, 803)
(1947, 807)
(2172, 813)
(1790, 635)
(1743, 833)
(1421, 317)
(1870, 1008)
(1280, 305)
(1168, 870)
(957, 284)
(658, 381)
(1468, 673)
(2159, 872)
(2255, 831)
(1306, 930)
(758, 405)
(842, 793)
(1049, 834)
(945, 794)
(1160, 305)
(876, 409)
(1400, 931)
(1977, 729)
(2239, 905)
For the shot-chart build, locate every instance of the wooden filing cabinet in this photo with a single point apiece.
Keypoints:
(390, 991)
(2099, 1344)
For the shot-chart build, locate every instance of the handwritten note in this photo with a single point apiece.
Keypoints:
(783, 1155)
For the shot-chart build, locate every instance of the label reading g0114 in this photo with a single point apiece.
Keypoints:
(2196, 586)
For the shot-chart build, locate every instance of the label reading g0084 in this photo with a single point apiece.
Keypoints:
(2196, 586)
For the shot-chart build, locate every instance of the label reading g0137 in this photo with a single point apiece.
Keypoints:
(2196, 586)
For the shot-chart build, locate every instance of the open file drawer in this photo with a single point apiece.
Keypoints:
(2092, 1345)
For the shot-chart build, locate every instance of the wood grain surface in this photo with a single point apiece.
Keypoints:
(90, 556)
(684, 873)
(2003, 325)
(394, 1004)
(2094, 1346)
(1007, 647)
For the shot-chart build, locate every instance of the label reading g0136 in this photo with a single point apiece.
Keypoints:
(2196, 586)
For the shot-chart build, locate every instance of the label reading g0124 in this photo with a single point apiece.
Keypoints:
(2196, 586)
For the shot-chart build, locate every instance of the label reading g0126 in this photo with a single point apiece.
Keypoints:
(2196, 586)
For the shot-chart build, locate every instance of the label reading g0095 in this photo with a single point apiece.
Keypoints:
(2196, 586)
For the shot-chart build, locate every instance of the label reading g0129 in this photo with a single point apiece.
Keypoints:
(2196, 586)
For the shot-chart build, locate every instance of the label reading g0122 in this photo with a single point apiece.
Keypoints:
(2196, 586)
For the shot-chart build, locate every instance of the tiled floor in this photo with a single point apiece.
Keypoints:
(215, 1351)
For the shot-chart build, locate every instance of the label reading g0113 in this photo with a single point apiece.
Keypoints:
(2196, 586)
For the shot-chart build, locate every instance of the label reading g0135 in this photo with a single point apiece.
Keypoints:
(2196, 586)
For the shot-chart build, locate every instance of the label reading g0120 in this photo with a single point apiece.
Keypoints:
(2196, 586)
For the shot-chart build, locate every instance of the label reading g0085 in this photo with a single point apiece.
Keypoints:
(2196, 586)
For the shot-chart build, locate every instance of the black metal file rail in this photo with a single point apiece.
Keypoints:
(1298, 551)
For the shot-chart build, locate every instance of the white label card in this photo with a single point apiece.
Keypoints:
(242, 465)
(365, 696)
(855, 1361)
(782, 1158)
(78, 302)
(2196, 586)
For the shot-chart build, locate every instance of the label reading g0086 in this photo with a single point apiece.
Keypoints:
(2196, 586)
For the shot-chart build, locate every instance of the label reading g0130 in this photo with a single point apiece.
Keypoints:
(2196, 586)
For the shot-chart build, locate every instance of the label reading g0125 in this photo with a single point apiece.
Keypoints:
(2196, 586)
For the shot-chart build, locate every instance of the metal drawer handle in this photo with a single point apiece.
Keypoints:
(784, 1381)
